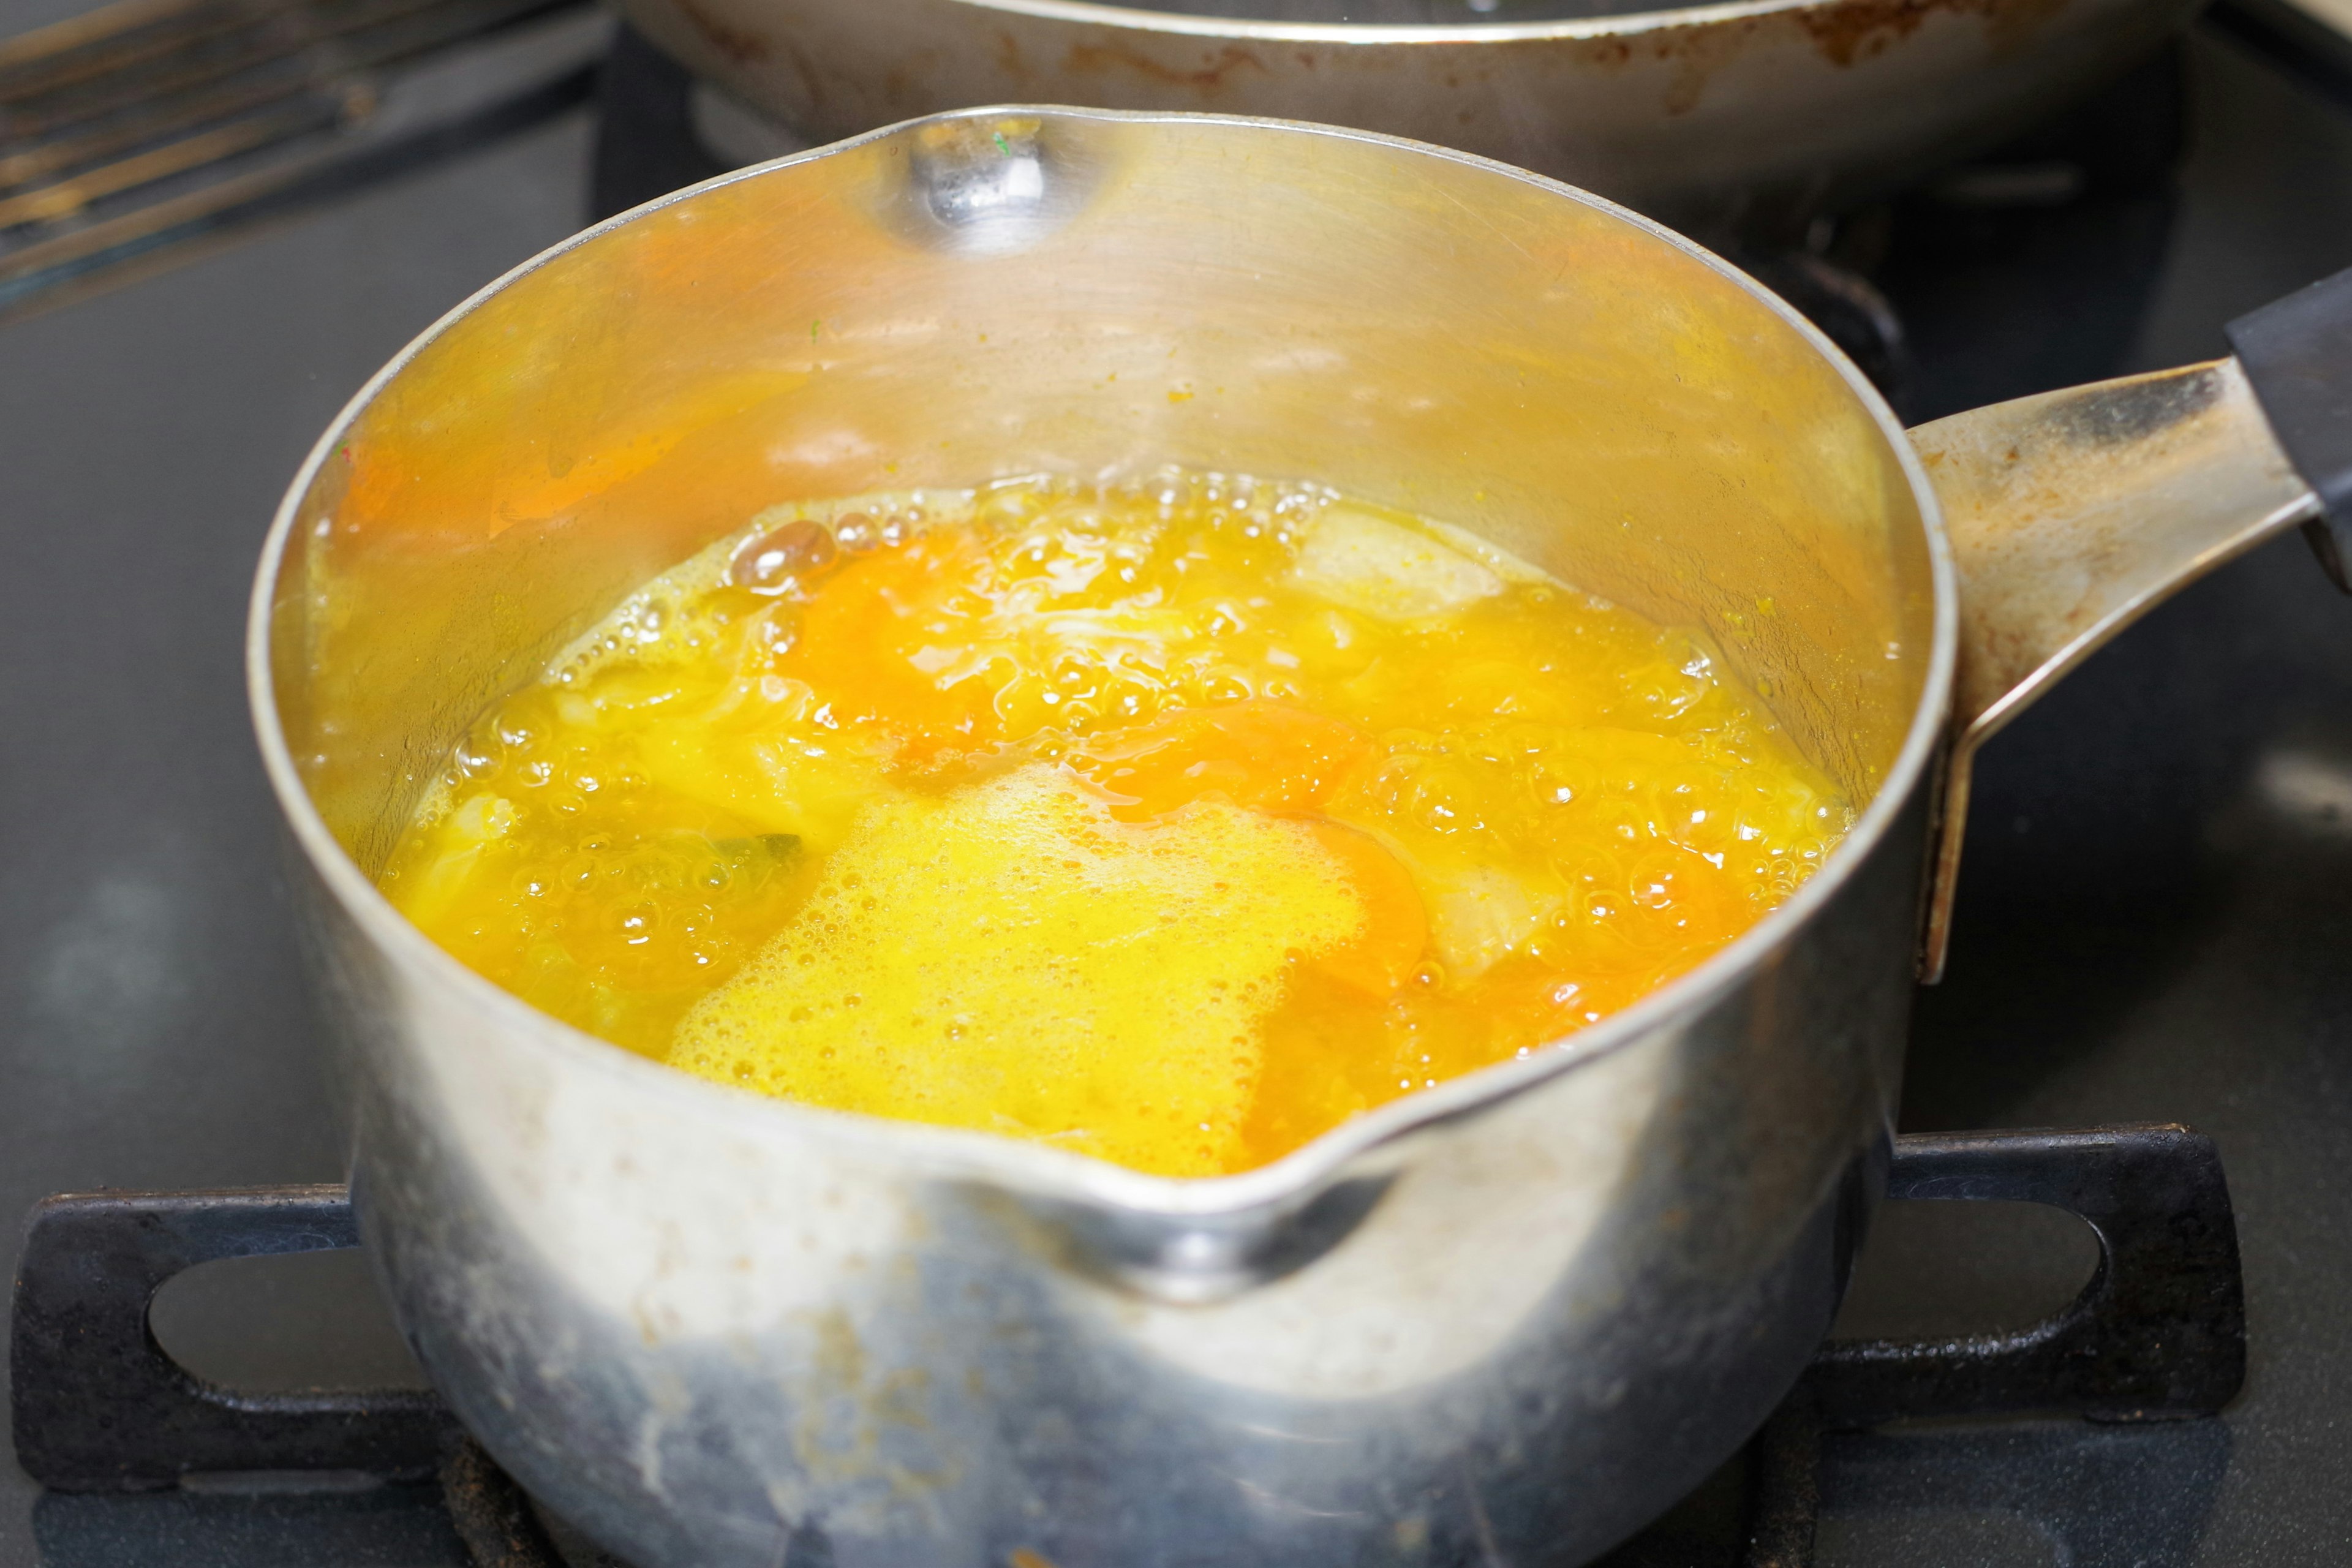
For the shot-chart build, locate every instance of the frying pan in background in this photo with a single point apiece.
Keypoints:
(1738, 119)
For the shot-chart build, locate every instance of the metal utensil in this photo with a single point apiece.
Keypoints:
(1505, 1320)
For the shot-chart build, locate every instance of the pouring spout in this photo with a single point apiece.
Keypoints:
(1193, 1259)
(2071, 514)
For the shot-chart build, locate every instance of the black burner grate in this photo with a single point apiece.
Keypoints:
(2157, 1335)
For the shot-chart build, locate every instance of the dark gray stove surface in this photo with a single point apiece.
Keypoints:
(2156, 922)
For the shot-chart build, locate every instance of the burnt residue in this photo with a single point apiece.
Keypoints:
(2137, 411)
(1857, 31)
(1696, 54)
(1008, 56)
(1692, 52)
(1103, 59)
(491, 1513)
(738, 45)
(1683, 43)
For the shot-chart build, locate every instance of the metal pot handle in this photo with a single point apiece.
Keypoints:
(2073, 512)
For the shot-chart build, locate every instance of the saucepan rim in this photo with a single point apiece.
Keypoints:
(949, 1153)
(1092, 13)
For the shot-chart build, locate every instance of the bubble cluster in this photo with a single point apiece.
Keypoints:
(1013, 956)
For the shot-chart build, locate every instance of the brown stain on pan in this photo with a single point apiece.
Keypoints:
(1008, 57)
(1692, 54)
(1858, 30)
(737, 44)
(1696, 54)
(1846, 33)
(2032, 502)
(1102, 59)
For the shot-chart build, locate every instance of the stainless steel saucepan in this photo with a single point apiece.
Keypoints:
(1744, 117)
(1506, 1320)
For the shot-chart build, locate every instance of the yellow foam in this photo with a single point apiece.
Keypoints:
(1012, 958)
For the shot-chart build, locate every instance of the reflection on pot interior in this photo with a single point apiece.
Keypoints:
(1172, 821)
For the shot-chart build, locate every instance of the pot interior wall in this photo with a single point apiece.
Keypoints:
(1000, 294)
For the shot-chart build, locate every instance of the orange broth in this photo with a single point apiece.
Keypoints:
(1174, 823)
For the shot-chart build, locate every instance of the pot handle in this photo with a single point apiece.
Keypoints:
(2073, 512)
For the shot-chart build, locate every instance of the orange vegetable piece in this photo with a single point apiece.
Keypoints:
(1384, 954)
(882, 642)
(1267, 756)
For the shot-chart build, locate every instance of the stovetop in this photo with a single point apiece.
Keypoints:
(2153, 926)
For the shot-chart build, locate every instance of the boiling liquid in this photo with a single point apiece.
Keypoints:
(1173, 823)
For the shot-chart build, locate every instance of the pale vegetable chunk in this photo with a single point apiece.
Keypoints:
(1477, 918)
(1356, 558)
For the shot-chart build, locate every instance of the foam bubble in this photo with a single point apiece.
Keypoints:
(1011, 957)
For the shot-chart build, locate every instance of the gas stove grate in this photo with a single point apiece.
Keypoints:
(2158, 1333)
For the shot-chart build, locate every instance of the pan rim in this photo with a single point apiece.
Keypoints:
(1632, 24)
